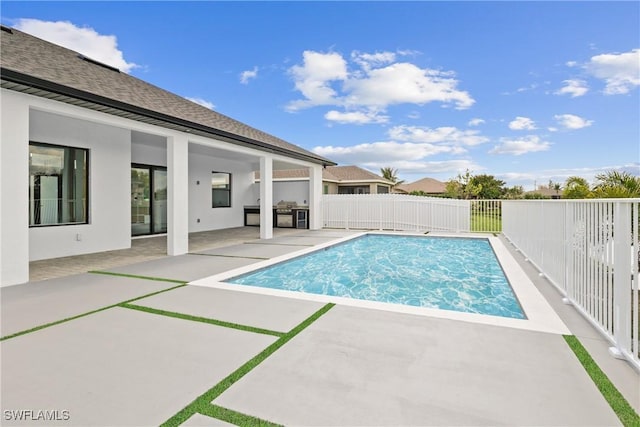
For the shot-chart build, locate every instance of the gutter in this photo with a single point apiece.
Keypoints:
(24, 79)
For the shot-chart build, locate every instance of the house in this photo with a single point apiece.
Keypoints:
(544, 192)
(90, 156)
(428, 186)
(293, 185)
(354, 180)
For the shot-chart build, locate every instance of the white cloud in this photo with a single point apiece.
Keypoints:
(476, 122)
(532, 86)
(368, 60)
(381, 152)
(405, 83)
(355, 117)
(517, 147)
(573, 87)
(202, 102)
(84, 40)
(247, 75)
(522, 123)
(407, 145)
(414, 115)
(422, 169)
(620, 71)
(570, 121)
(374, 82)
(313, 79)
(441, 135)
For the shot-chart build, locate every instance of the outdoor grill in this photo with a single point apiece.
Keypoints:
(286, 207)
(284, 213)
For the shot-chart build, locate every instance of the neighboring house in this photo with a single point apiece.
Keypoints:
(90, 156)
(546, 192)
(292, 184)
(428, 186)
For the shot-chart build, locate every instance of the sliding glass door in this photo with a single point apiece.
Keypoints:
(148, 200)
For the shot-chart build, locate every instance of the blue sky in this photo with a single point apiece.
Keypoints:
(525, 91)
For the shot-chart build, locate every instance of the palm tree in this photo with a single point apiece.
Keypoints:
(391, 174)
(614, 184)
(576, 187)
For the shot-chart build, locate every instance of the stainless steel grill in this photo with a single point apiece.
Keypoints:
(284, 207)
(284, 213)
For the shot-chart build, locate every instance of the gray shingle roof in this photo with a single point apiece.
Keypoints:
(354, 173)
(428, 185)
(23, 55)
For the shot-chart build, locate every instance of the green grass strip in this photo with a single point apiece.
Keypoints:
(236, 418)
(135, 276)
(57, 322)
(203, 402)
(618, 403)
(202, 320)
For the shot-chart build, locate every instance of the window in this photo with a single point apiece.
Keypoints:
(325, 189)
(221, 189)
(354, 189)
(58, 185)
(383, 189)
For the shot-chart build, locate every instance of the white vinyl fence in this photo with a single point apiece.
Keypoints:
(411, 213)
(395, 212)
(589, 250)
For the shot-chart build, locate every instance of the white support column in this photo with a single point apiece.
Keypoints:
(14, 189)
(178, 195)
(266, 197)
(315, 197)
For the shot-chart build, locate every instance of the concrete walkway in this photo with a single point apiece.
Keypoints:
(134, 346)
(143, 249)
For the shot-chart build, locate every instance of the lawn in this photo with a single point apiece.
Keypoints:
(486, 222)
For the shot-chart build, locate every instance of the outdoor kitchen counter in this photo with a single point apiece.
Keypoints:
(297, 220)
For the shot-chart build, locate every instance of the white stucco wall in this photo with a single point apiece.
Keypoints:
(109, 224)
(200, 168)
(146, 154)
(297, 191)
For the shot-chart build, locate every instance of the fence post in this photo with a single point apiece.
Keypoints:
(622, 274)
(569, 243)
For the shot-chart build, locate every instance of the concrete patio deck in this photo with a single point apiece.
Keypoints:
(137, 350)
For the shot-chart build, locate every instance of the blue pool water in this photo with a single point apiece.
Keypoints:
(437, 272)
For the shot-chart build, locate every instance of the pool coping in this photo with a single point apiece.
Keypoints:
(540, 316)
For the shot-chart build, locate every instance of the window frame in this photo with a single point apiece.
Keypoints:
(87, 153)
(354, 189)
(221, 190)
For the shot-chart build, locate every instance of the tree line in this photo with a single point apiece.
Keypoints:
(610, 184)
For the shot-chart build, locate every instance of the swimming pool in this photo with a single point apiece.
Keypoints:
(459, 274)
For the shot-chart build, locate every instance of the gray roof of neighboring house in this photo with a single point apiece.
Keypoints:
(32, 65)
(545, 191)
(331, 173)
(427, 185)
(354, 173)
